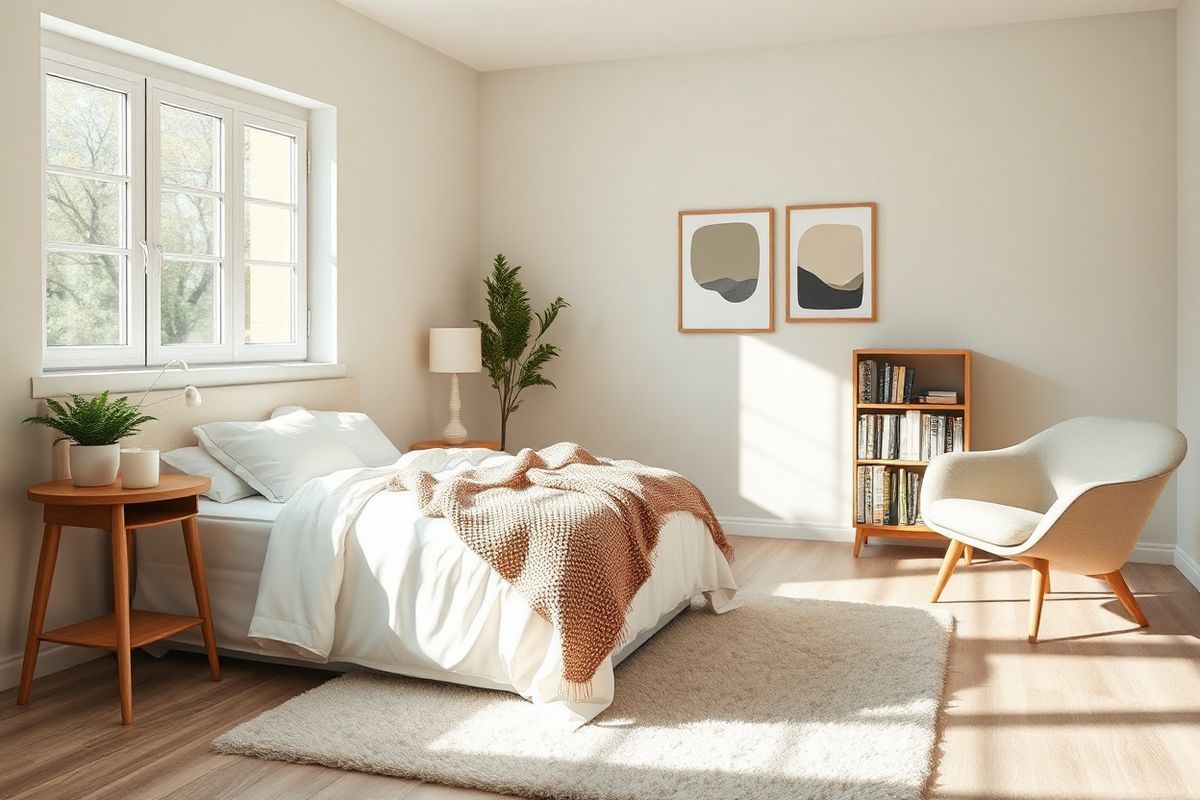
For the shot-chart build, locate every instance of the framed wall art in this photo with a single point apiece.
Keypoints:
(727, 271)
(831, 263)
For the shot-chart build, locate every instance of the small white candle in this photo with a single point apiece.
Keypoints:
(139, 467)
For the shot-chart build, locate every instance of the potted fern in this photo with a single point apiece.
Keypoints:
(95, 427)
(513, 354)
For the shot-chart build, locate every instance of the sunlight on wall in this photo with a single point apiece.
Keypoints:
(791, 447)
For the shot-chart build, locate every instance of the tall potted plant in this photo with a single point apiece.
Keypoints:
(513, 354)
(95, 428)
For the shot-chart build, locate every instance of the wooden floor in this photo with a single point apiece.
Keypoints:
(1098, 709)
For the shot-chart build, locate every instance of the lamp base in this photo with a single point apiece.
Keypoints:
(454, 432)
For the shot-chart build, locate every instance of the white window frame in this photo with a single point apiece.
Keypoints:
(221, 351)
(133, 224)
(145, 93)
(297, 348)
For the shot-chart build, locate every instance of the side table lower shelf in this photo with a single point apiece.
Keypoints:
(101, 632)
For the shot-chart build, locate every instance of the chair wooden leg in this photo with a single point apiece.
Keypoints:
(1037, 593)
(953, 554)
(860, 539)
(968, 555)
(1117, 582)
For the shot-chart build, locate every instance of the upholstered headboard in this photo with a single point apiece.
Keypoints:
(173, 428)
(174, 421)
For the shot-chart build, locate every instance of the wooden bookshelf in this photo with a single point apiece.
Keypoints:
(948, 370)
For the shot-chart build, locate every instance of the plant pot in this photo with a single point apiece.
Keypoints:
(139, 468)
(95, 465)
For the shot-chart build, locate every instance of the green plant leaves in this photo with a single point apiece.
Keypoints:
(506, 336)
(92, 422)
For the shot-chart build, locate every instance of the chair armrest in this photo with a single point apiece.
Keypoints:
(1011, 476)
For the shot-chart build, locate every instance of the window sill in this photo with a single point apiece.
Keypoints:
(138, 379)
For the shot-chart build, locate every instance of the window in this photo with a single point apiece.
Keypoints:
(174, 223)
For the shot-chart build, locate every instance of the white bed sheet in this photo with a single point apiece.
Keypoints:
(414, 600)
(233, 540)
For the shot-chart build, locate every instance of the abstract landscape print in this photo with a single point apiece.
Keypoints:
(831, 262)
(727, 271)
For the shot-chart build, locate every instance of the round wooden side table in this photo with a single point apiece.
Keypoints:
(120, 512)
(433, 444)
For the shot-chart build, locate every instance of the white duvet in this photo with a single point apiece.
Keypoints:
(356, 574)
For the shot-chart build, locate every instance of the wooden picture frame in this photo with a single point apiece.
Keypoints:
(721, 292)
(827, 296)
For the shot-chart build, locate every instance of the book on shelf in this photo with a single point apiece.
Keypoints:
(910, 436)
(887, 495)
(937, 397)
(885, 383)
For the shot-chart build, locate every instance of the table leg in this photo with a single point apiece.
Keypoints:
(131, 546)
(191, 540)
(37, 613)
(120, 565)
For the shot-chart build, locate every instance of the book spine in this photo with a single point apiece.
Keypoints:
(887, 498)
(858, 493)
(909, 377)
(877, 495)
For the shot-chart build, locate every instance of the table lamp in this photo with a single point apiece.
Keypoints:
(454, 350)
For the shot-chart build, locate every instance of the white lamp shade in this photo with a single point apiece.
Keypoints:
(454, 350)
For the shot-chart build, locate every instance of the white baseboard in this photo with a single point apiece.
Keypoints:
(1153, 553)
(1144, 553)
(782, 529)
(52, 658)
(1188, 566)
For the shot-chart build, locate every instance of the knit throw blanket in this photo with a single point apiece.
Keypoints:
(574, 534)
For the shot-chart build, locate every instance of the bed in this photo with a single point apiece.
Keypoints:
(405, 595)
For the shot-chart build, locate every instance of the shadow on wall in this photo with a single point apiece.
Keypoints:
(1010, 403)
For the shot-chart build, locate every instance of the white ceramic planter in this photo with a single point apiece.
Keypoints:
(139, 468)
(95, 465)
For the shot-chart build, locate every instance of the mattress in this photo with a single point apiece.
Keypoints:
(233, 540)
(407, 596)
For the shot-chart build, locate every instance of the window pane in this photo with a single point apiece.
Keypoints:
(84, 126)
(190, 224)
(268, 232)
(83, 299)
(269, 165)
(83, 211)
(268, 304)
(188, 302)
(190, 148)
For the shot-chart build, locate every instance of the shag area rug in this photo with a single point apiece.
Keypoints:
(781, 698)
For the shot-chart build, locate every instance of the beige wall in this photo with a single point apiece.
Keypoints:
(1188, 22)
(1025, 177)
(407, 173)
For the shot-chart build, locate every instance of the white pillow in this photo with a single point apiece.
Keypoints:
(226, 487)
(277, 456)
(357, 431)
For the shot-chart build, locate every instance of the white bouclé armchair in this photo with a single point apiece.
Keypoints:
(1074, 497)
